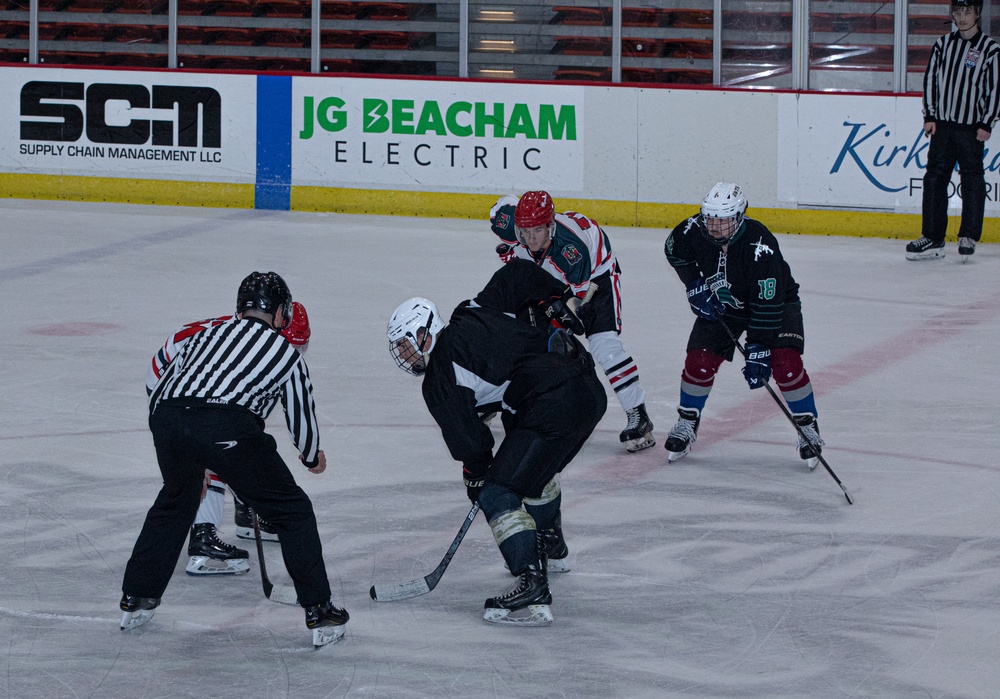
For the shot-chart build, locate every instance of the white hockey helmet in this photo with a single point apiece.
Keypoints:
(412, 333)
(722, 212)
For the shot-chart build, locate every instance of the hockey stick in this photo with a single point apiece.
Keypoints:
(421, 586)
(788, 414)
(282, 594)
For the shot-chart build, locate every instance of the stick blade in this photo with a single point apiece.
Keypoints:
(406, 590)
(284, 594)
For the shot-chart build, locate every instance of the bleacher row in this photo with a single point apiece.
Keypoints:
(853, 41)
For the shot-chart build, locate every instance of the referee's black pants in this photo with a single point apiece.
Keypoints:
(232, 443)
(950, 145)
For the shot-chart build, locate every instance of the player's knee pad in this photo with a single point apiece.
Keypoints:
(507, 524)
(551, 491)
(787, 369)
(701, 366)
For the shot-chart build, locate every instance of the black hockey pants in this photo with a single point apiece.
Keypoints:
(232, 443)
(950, 145)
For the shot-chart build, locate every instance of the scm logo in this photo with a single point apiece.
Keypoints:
(55, 100)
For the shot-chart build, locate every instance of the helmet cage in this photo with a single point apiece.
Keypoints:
(519, 232)
(408, 330)
(722, 212)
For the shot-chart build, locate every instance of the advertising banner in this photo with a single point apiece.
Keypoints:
(148, 125)
(436, 135)
(862, 152)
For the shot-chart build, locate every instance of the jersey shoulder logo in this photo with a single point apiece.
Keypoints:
(571, 254)
(759, 248)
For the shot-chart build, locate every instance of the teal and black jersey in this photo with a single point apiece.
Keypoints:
(580, 249)
(749, 275)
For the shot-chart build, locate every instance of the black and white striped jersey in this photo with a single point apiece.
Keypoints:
(960, 85)
(245, 363)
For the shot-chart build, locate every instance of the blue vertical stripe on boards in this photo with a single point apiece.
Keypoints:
(273, 188)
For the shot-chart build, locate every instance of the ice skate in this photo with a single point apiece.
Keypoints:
(529, 598)
(136, 611)
(683, 434)
(328, 623)
(212, 556)
(244, 524)
(638, 433)
(809, 450)
(924, 249)
(552, 546)
(966, 248)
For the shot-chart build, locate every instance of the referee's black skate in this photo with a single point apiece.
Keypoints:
(244, 524)
(924, 248)
(638, 433)
(136, 611)
(328, 623)
(530, 592)
(212, 556)
(966, 248)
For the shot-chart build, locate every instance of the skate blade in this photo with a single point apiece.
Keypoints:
(557, 565)
(644, 442)
(538, 615)
(930, 255)
(326, 635)
(247, 533)
(203, 565)
(131, 620)
(673, 456)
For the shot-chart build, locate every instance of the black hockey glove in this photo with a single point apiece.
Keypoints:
(703, 302)
(556, 309)
(758, 368)
(472, 485)
(587, 313)
(506, 252)
(473, 474)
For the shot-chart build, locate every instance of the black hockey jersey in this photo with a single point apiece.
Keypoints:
(486, 359)
(750, 276)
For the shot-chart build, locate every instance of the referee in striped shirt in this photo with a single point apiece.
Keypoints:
(207, 412)
(961, 104)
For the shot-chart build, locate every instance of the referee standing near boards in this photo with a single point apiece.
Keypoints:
(960, 108)
(208, 411)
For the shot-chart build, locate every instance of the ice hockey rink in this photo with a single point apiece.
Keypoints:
(735, 572)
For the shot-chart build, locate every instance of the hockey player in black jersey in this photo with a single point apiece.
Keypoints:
(543, 380)
(735, 274)
(207, 411)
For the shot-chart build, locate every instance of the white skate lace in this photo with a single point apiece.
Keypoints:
(684, 429)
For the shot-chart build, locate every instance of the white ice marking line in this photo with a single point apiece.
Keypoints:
(114, 615)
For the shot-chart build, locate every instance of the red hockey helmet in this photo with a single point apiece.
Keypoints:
(297, 332)
(534, 209)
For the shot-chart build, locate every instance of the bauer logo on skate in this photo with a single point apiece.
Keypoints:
(402, 132)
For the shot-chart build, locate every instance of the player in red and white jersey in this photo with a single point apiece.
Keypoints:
(208, 554)
(575, 250)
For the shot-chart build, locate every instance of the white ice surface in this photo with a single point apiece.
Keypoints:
(734, 572)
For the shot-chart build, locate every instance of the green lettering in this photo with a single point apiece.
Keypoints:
(520, 122)
(451, 119)
(330, 114)
(482, 119)
(554, 126)
(431, 120)
(375, 115)
(307, 115)
(402, 116)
